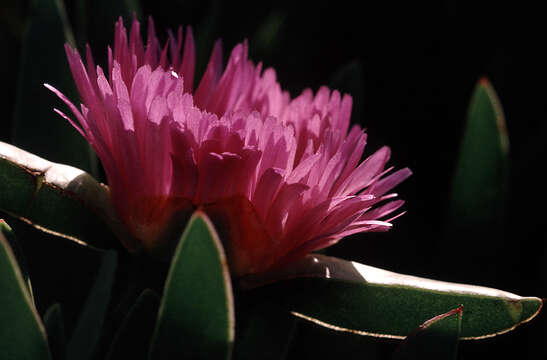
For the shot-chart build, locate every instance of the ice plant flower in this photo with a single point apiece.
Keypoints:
(280, 177)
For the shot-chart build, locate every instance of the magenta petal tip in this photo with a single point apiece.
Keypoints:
(238, 144)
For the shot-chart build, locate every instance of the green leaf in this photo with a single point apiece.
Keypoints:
(57, 198)
(22, 334)
(36, 127)
(267, 332)
(86, 336)
(196, 316)
(478, 193)
(132, 340)
(437, 338)
(268, 35)
(55, 327)
(18, 253)
(361, 299)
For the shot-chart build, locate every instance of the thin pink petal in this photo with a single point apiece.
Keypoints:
(388, 183)
(210, 78)
(187, 66)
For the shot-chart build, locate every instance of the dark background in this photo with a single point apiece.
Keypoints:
(417, 64)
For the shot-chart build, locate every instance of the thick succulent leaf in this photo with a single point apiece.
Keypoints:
(22, 334)
(55, 327)
(36, 127)
(86, 336)
(437, 338)
(479, 181)
(6, 230)
(56, 198)
(196, 316)
(267, 331)
(132, 340)
(361, 299)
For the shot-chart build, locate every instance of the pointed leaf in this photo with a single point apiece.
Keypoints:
(55, 327)
(36, 127)
(196, 316)
(132, 340)
(56, 198)
(22, 334)
(86, 336)
(437, 338)
(479, 181)
(17, 252)
(361, 299)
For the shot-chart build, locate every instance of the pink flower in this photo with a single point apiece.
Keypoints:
(280, 177)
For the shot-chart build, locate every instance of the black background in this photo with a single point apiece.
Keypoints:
(420, 62)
